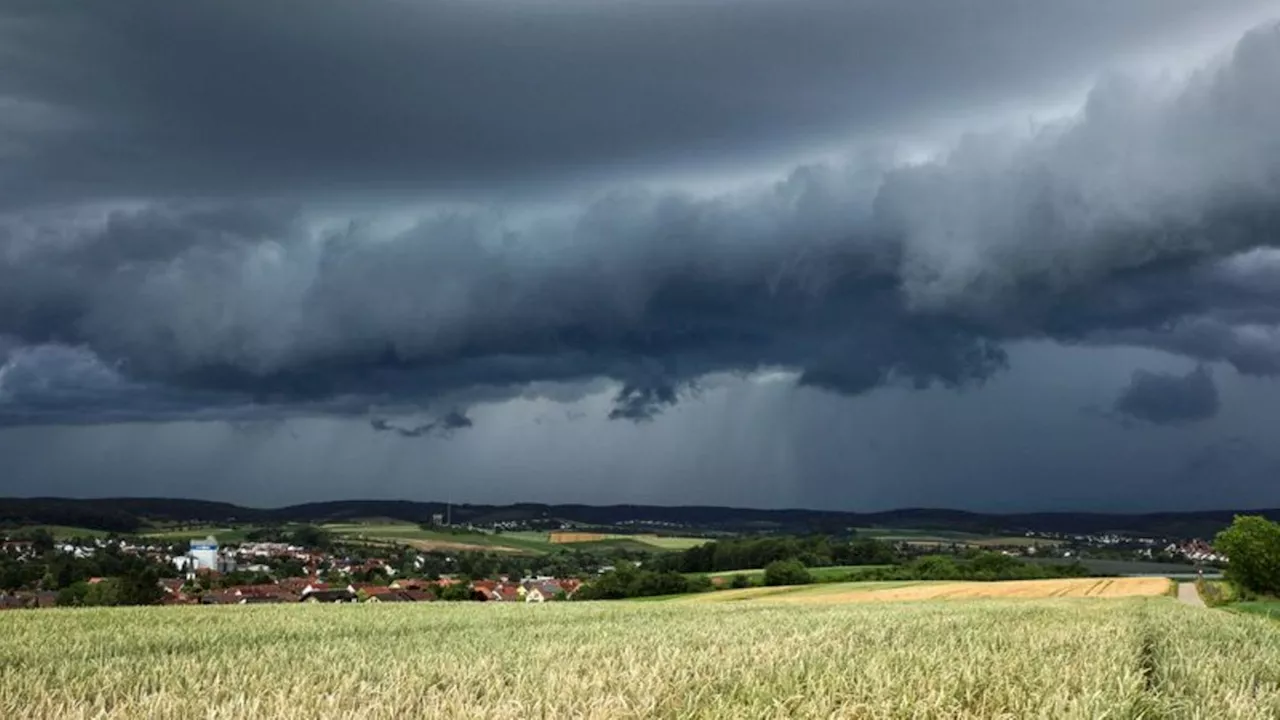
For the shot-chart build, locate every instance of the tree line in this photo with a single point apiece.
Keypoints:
(788, 560)
(757, 552)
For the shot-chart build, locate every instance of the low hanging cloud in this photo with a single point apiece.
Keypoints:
(1169, 399)
(1122, 224)
(444, 427)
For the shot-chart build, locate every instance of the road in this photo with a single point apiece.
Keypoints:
(1188, 594)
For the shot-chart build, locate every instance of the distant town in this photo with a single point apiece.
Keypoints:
(344, 564)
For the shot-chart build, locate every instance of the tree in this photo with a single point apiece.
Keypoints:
(786, 572)
(310, 536)
(454, 592)
(139, 586)
(101, 593)
(1252, 547)
(42, 540)
(477, 566)
(935, 567)
(73, 594)
(13, 574)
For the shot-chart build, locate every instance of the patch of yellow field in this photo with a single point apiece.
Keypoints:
(1014, 589)
(562, 538)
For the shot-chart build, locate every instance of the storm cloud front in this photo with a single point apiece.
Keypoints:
(626, 247)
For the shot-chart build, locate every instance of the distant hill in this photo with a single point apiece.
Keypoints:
(132, 514)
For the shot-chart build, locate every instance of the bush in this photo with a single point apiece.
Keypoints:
(937, 567)
(740, 581)
(786, 572)
(1214, 594)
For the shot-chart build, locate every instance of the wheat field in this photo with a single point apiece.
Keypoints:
(902, 590)
(1126, 658)
(1014, 589)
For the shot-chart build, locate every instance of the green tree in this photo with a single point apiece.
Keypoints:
(42, 540)
(310, 536)
(106, 592)
(139, 586)
(935, 567)
(73, 594)
(1252, 547)
(456, 592)
(786, 572)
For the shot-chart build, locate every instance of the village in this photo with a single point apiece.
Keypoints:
(313, 590)
(306, 564)
(1191, 550)
(271, 572)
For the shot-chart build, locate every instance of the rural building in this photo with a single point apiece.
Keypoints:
(205, 556)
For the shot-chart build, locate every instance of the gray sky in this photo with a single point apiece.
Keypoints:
(991, 255)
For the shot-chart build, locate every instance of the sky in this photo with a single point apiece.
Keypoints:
(1000, 256)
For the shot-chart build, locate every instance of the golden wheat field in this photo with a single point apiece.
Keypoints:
(1058, 658)
(1014, 589)
(931, 590)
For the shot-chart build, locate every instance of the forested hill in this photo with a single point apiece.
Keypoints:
(132, 514)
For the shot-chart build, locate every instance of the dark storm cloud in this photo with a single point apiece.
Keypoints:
(642, 402)
(1169, 399)
(237, 97)
(1123, 222)
(444, 427)
(1230, 312)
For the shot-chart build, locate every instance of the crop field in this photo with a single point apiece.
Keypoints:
(1060, 658)
(223, 534)
(666, 542)
(509, 542)
(948, 537)
(663, 542)
(1122, 567)
(1013, 589)
(560, 538)
(424, 539)
(904, 590)
(65, 532)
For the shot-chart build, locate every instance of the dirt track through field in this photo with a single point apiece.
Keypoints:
(1187, 593)
(1016, 589)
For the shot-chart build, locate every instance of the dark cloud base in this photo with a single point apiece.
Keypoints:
(855, 276)
(1167, 399)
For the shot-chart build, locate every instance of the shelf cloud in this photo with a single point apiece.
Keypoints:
(396, 210)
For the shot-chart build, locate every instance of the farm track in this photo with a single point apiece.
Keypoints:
(1189, 595)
